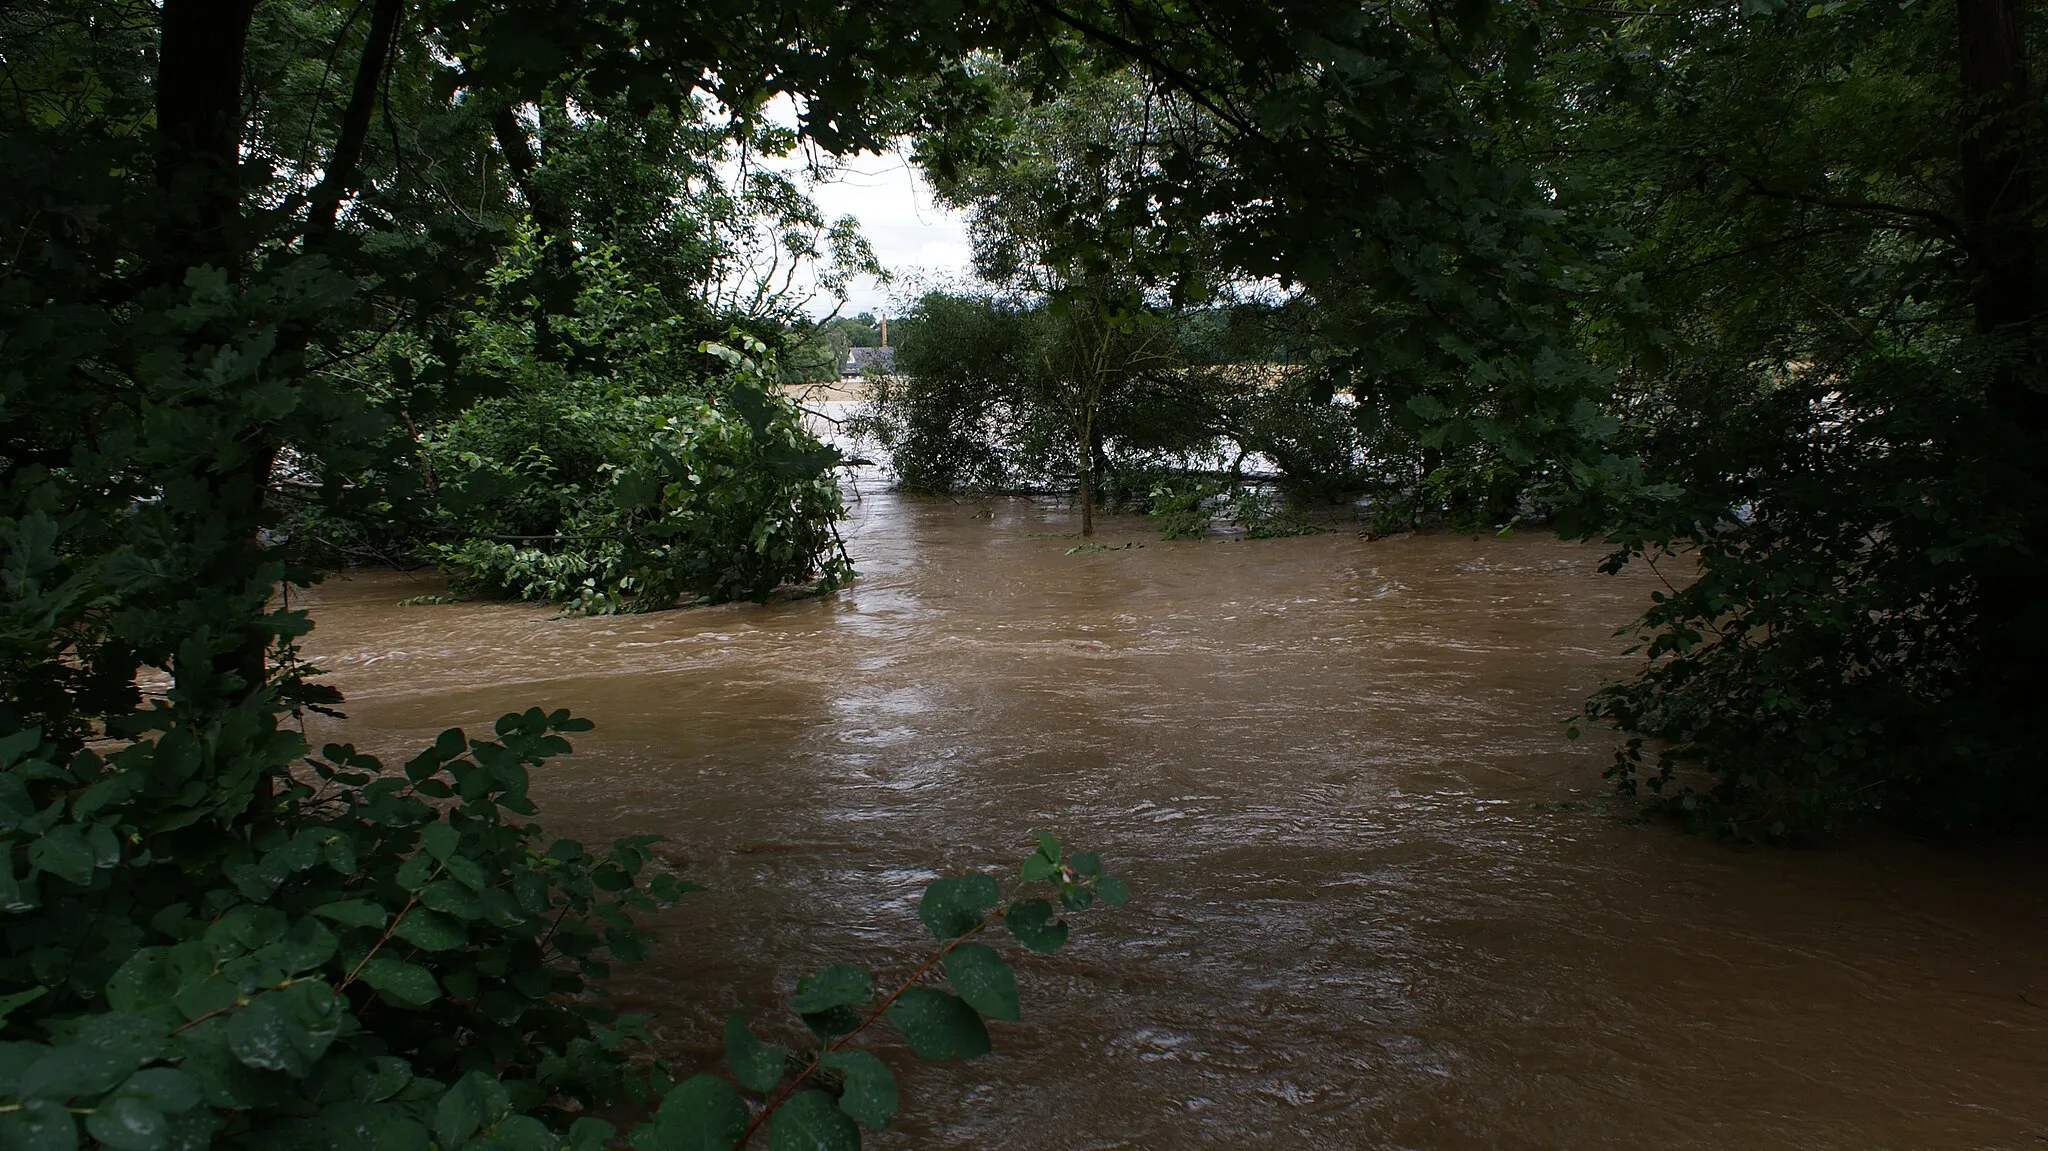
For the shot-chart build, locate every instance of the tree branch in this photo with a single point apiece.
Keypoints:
(344, 168)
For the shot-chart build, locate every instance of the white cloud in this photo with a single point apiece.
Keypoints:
(916, 238)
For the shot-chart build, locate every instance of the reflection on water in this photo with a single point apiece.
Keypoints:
(1380, 901)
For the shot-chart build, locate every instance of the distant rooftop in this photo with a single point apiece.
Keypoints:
(860, 360)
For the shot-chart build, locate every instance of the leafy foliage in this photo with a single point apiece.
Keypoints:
(979, 406)
(590, 494)
(381, 957)
(821, 1094)
(1839, 434)
(209, 937)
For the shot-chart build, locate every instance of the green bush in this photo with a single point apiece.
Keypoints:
(399, 959)
(615, 501)
(1182, 506)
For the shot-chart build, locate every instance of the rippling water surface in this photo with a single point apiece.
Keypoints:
(1380, 901)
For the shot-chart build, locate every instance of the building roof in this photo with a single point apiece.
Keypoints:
(860, 360)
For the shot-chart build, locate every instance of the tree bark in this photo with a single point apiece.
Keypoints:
(199, 118)
(1997, 203)
(199, 121)
(1085, 470)
(1997, 196)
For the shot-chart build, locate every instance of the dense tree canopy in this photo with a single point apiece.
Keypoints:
(1747, 290)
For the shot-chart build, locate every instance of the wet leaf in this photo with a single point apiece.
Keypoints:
(952, 907)
(452, 897)
(63, 852)
(983, 980)
(167, 1089)
(807, 1121)
(439, 840)
(587, 1134)
(40, 1125)
(401, 982)
(353, 913)
(257, 1035)
(832, 1022)
(938, 1026)
(702, 1113)
(20, 998)
(128, 1124)
(839, 985)
(461, 1110)
(870, 1093)
(757, 1065)
(1032, 924)
(383, 1077)
(431, 931)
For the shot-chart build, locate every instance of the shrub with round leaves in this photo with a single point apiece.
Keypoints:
(397, 959)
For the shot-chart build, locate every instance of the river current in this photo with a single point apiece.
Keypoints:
(1379, 900)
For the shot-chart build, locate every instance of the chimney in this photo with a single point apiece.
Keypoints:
(885, 331)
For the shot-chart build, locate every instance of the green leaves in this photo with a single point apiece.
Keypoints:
(286, 1030)
(982, 979)
(808, 1121)
(1077, 883)
(354, 913)
(439, 840)
(953, 907)
(701, 1113)
(757, 1065)
(62, 851)
(938, 1026)
(406, 984)
(841, 984)
(1032, 924)
(868, 1086)
(934, 1024)
(127, 1123)
(476, 1101)
(40, 1125)
(430, 931)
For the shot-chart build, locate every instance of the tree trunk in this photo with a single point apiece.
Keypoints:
(1085, 487)
(553, 274)
(1997, 202)
(199, 117)
(1997, 197)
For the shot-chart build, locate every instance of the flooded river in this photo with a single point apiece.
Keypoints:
(1380, 902)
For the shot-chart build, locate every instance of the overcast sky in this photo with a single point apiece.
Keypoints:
(918, 240)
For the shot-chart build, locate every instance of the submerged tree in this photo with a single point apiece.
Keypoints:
(1060, 213)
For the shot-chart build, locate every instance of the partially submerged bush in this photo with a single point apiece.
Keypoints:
(642, 501)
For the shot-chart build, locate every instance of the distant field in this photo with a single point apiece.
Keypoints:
(826, 391)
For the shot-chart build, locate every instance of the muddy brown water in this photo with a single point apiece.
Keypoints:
(1380, 901)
